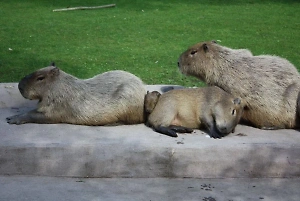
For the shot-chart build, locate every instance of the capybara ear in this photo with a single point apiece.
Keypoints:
(52, 63)
(159, 94)
(54, 72)
(147, 92)
(205, 47)
(213, 41)
(237, 101)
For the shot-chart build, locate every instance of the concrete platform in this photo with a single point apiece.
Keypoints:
(20, 188)
(136, 151)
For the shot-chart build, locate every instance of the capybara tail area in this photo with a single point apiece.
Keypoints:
(132, 115)
(128, 103)
(131, 110)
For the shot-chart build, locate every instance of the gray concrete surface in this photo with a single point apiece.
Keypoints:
(20, 188)
(135, 151)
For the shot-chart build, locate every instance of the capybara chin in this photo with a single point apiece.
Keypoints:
(114, 97)
(182, 110)
(269, 85)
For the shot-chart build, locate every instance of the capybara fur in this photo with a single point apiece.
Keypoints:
(113, 97)
(269, 85)
(182, 110)
(151, 99)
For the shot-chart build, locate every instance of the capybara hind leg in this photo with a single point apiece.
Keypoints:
(166, 130)
(30, 117)
(181, 129)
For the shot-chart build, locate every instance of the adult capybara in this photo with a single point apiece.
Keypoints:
(114, 97)
(269, 85)
(182, 110)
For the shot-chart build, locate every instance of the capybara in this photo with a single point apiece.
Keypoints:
(113, 97)
(151, 99)
(269, 85)
(182, 110)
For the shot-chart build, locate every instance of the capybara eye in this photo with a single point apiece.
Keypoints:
(193, 52)
(233, 112)
(40, 78)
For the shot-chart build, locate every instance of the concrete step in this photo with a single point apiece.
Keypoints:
(135, 151)
(20, 188)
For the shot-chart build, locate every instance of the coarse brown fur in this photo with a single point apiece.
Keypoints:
(181, 110)
(269, 85)
(151, 99)
(109, 98)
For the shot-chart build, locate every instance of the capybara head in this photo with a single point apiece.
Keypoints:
(35, 84)
(227, 114)
(151, 99)
(197, 58)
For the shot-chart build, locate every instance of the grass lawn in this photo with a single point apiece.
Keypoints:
(142, 37)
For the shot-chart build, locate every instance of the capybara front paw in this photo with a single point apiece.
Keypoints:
(15, 120)
(216, 135)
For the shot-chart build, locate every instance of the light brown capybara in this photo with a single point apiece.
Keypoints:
(182, 110)
(113, 97)
(269, 85)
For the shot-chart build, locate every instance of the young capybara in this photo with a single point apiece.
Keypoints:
(269, 85)
(182, 110)
(114, 97)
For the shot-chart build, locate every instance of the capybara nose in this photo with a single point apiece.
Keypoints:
(223, 129)
(21, 90)
(178, 63)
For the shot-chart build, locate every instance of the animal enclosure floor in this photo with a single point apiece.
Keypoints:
(136, 151)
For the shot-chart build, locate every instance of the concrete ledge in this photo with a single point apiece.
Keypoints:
(20, 188)
(136, 151)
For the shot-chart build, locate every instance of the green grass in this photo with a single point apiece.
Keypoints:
(142, 37)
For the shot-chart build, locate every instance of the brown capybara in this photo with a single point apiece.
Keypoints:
(151, 99)
(114, 97)
(182, 110)
(269, 85)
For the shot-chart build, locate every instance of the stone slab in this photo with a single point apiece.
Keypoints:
(135, 151)
(20, 188)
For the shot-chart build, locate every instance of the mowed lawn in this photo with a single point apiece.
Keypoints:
(142, 37)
